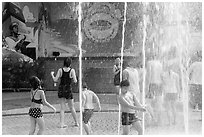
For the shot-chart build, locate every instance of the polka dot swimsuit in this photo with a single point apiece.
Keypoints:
(35, 112)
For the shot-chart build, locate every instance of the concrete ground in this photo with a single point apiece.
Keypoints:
(103, 123)
(16, 121)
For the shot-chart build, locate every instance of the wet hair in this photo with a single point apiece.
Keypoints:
(35, 82)
(124, 83)
(67, 62)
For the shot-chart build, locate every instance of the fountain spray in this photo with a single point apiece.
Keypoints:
(80, 63)
(122, 50)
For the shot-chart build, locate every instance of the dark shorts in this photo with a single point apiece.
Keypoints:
(129, 118)
(154, 90)
(195, 93)
(35, 112)
(65, 92)
(171, 97)
(117, 79)
(87, 115)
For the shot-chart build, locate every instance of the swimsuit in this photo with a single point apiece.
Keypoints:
(36, 112)
(65, 90)
(117, 78)
(154, 90)
(39, 101)
(195, 94)
(87, 115)
(171, 96)
(129, 118)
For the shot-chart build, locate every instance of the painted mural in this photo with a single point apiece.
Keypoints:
(53, 27)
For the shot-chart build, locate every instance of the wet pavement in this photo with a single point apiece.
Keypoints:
(103, 123)
(16, 121)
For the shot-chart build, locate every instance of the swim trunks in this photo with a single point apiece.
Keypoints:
(87, 115)
(65, 92)
(155, 90)
(129, 118)
(171, 97)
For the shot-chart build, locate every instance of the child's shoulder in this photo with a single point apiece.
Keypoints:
(88, 92)
(41, 91)
(91, 92)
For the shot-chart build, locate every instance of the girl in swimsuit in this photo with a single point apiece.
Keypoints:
(38, 99)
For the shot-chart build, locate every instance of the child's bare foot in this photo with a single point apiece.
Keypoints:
(76, 125)
(62, 126)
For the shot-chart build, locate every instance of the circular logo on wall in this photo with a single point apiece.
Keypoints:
(101, 24)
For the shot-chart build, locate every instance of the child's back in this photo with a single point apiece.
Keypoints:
(88, 99)
(129, 98)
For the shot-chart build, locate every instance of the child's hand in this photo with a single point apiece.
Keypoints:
(52, 73)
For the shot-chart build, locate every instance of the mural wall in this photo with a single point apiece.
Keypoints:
(53, 27)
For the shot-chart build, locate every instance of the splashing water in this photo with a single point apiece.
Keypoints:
(144, 58)
(180, 42)
(122, 50)
(173, 47)
(80, 63)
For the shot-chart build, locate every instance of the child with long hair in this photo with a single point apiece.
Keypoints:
(38, 99)
(67, 76)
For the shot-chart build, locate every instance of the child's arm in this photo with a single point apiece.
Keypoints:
(55, 79)
(137, 103)
(42, 96)
(123, 102)
(178, 85)
(97, 101)
(83, 101)
(114, 70)
(73, 75)
(148, 76)
(125, 75)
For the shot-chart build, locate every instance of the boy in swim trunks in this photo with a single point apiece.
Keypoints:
(129, 106)
(88, 107)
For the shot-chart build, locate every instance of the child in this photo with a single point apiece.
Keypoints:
(66, 75)
(172, 91)
(88, 107)
(116, 72)
(129, 104)
(38, 99)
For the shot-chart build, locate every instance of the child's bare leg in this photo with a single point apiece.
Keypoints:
(137, 125)
(32, 126)
(168, 109)
(62, 109)
(87, 128)
(173, 112)
(160, 102)
(126, 129)
(90, 129)
(73, 111)
(41, 125)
